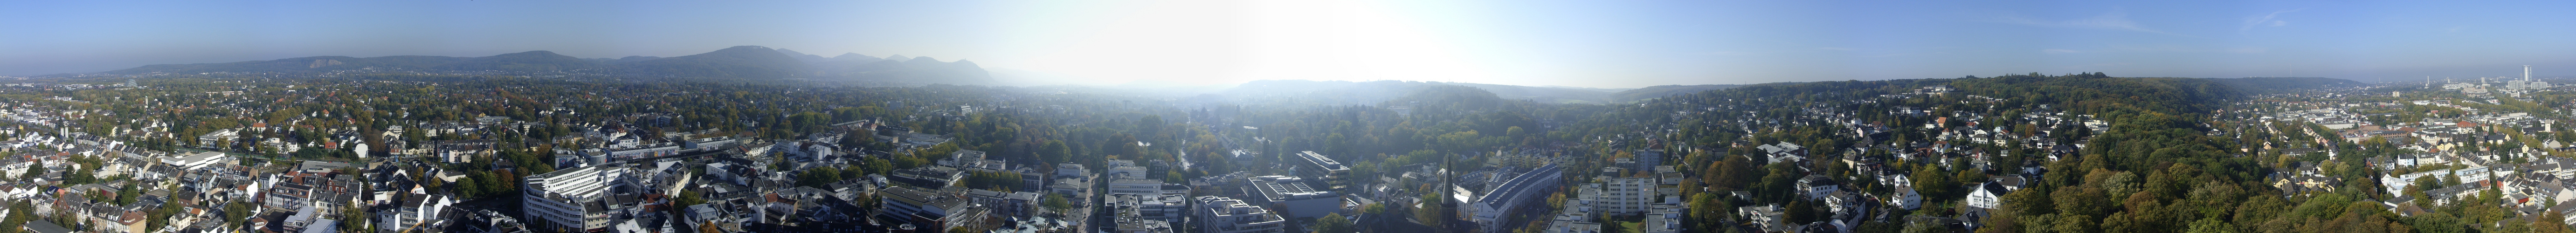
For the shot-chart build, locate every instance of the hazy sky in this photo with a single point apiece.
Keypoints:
(1569, 43)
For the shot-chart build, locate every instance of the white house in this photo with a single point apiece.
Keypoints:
(1817, 186)
(1906, 198)
(1987, 195)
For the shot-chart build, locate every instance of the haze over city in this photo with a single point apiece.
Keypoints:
(1588, 44)
(1327, 116)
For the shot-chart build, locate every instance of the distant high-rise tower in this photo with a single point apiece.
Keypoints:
(2526, 72)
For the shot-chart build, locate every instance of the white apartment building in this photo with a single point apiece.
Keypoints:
(1135, 186)
(198, 160)
(1619, 196)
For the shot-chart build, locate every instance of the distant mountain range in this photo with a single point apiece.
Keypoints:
(756, 62)
(1372, 92)
(2260, 85)
(1653, 92)
(738, 62)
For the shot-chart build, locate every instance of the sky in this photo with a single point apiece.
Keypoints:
(1604, 44)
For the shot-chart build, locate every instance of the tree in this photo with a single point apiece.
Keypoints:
(1801, 210)
(353, 212)
(818, 177)
(2121, 222)
(1334, 223)
(779, 163)
(2001, 222)
(1918, 227)
(2029, 202)
(997, 181)
(2549, 221)
(1609, 225)
(2120, 184)
(858, 138)
(689, 198)
(1731, 173)
(32, 172)
(19, 213)
(125, 195)
(1431, 213)
(1055, 152)
(1056, 201)
(875, 166)
(2210, 225)
(1932, 184)
(235, 212)
(2084, 201)
(465, 188)
(2075, 223)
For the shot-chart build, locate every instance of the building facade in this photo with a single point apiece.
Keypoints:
(1332, 175)
(1619, 196)
(571, 199)
(1227, 215)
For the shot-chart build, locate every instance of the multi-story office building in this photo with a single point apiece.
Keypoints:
(1014, 204)
(574, 199)
(1135, 186)
(1227, 215)
(1295, 196)
(1333, 175)
(930, 209)
(1168, 208)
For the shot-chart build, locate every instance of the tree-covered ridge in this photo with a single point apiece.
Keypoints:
(1652, 92)
(1413, 129)
(1308, 92)
(2261, 85)
(2168, 154)
(2155, 168)
(2095, 93)
(734, 63)
(530, 61)
(301, 64)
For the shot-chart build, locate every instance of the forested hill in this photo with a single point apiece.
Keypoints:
(2154, 169)
(298, 64)
(1372, 92)
(734, 63)
(1662, 91)
(2090, 92)
(2278, 84)
(2095, 93)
